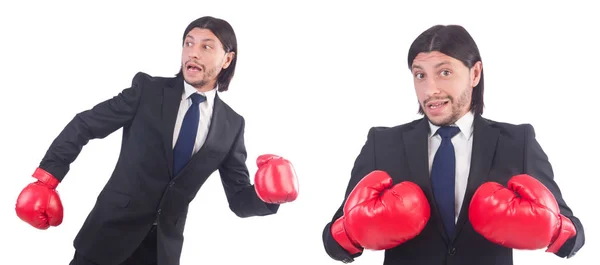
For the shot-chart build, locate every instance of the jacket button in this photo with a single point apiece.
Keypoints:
(452, 251)
(171, 184)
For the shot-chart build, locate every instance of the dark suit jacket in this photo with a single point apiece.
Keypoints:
(500, 151)
(142, 188)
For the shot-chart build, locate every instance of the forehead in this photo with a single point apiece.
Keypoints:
(433, 59)
(199, 34)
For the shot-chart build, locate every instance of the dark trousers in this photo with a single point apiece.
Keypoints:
(145, 254)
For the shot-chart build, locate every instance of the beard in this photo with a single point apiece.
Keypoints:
(200, 83)
(457, 109)
(207, 76)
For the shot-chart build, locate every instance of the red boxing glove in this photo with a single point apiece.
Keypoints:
(380, 216)
(38, 203)
(275, 180)
(523, 216)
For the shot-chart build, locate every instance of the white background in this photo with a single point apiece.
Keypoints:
(311, 79)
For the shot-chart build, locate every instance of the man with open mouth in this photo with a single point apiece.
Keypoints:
(452, 187)
(176, 133)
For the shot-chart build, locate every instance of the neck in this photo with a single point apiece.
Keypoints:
(205, 87)
(463, 113)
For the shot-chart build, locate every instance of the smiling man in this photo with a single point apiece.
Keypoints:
(176, 133)
(452, 187)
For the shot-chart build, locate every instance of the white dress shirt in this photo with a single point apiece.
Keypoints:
(463, 143)
(206, 111)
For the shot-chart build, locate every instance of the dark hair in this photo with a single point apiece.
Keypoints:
(224, 32)
(456, 42)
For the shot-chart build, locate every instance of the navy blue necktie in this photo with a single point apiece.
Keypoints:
(442, 177)
(187, 135)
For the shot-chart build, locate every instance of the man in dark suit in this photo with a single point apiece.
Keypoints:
(452, 187)
(176, 133)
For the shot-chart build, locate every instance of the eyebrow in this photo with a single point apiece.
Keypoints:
(442, 63)
(436, 66)
(191, 37)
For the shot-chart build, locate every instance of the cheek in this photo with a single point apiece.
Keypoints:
(453, 87)
(206, 58)
(184, 56)
(421, 91)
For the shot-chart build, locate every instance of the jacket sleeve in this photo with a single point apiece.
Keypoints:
(363, 165)
(95, 123)
(538, 166)
(241, 195)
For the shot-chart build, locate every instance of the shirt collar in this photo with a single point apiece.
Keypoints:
(465, 124)
(189, 90)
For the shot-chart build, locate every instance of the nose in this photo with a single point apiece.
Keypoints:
(193, 53)
(431, 87)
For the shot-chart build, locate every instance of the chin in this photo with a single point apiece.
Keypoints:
(189, 80)
(440, 120)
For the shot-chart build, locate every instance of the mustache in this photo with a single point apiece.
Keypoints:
(450, 98)
(195, 63)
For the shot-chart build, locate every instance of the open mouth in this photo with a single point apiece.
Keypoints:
(437, 104)
(193, 67)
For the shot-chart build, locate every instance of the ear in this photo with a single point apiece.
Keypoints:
(476, 73)
(228, 59)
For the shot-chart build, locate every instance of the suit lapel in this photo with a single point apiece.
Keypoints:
(171, 100)
(416, 144)
(417, 152)
(485, 139)
(218, 127)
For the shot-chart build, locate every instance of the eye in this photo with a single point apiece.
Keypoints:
(189, 44)
(445, 73)
(207, 47)
(419, 75)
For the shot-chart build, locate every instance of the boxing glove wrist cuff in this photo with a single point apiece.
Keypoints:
(566, 231)
(339, 235)
(45, 177)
